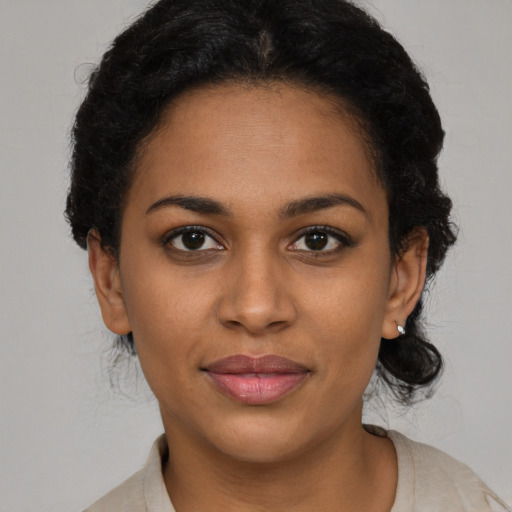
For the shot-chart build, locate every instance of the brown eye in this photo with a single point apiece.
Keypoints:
(316, 241)
(190, 239)
(193, 240)
(321, 240)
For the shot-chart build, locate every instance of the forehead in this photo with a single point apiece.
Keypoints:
(244, 143)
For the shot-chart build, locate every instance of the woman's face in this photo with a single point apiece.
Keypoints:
(256, 226)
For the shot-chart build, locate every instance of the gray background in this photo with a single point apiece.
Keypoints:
(66, 437)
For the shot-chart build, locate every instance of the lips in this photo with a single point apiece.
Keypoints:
(256, 381)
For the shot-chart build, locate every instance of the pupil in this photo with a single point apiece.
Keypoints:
(316, 241)
(193, 240)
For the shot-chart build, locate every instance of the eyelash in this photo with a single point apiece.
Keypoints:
(343, 239)
(176, 233)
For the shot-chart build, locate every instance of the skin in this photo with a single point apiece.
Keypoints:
(257, 288)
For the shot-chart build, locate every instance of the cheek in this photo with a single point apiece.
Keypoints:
(351, 302)
(168, 314)
(160, 298)
(347, 318)
(167, 331)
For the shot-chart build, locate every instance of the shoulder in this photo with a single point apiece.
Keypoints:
(435, 481)
(126, 497)
(144, 491)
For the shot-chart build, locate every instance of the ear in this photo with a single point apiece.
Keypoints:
(107, 283)
(407, 282)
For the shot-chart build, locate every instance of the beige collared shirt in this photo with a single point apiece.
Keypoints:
(429, 480)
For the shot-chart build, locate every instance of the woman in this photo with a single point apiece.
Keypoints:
(256, 184)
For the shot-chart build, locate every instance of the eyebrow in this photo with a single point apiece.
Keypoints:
(317, 203)
(196, 204)
(303, 206)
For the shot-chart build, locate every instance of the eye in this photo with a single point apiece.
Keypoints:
(321, 239)
(192, 238)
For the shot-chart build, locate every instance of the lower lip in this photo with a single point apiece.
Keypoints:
(257, 389)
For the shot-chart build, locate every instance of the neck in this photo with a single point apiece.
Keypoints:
(333, 475)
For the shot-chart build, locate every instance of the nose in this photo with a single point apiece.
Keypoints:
(257, 296)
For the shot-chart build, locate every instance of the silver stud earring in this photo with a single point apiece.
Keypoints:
(401, 330)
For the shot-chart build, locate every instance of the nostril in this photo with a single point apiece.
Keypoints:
(277, 325)
(256, 306)
(256, 327)
(233, 323)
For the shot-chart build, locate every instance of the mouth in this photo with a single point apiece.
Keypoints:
(256, 380)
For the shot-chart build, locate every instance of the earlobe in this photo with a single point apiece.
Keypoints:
(107, 283)
(407, 283)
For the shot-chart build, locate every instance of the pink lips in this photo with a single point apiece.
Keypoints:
(258, 380)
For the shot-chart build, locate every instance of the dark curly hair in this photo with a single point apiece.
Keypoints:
(331, 46)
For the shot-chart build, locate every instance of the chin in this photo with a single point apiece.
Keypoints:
(262, 451)
(265, 441)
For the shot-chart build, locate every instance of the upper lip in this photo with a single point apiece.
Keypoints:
(240, 363)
